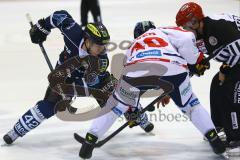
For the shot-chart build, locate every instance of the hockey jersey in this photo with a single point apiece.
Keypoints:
(221, 37)
(73, 39)
(173, 47)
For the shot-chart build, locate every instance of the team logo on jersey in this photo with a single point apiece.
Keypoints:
(59, 18)
(92, 79)
(201, 46)
(149, 53)
(213, 40)
(70, 25)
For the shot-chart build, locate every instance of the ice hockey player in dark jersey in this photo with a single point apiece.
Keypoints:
(79, 43)
(94, 7)
(219, 37)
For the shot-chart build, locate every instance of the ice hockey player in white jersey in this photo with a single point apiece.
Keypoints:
(160, 54)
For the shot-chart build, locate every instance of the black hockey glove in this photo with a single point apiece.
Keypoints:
(133, 117)
(39, 32)
(199, 69)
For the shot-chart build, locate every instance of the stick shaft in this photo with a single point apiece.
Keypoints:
(41, 45)
(101, 143)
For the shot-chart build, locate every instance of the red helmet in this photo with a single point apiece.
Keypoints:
(187, 12)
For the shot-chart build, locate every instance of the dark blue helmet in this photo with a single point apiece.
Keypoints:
(142, 27)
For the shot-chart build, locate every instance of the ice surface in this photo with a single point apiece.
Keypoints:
(23, 82)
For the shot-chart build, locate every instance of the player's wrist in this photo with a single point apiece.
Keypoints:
(225, 69)
(41, 25)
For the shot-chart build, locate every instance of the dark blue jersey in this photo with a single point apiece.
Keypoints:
(71, 31)
(73, 36)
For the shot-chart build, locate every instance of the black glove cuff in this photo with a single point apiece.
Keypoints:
(41, 25)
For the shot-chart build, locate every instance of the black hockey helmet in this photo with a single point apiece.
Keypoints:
(142, 27)
(97, 32)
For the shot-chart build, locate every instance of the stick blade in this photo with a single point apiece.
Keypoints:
(78, 138)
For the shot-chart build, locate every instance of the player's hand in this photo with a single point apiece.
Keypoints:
(221, 78)
(200, 68)
(133, 117)
(225, 70)
(38, 32)
(164, 101)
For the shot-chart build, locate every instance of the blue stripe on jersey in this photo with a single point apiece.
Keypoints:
(170, 54)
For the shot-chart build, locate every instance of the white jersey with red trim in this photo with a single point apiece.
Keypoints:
(172, 47)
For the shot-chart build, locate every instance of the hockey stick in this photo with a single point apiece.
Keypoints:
(48, 61)
(211, 56)
(102, 142)
(41, 45)
(44, 52)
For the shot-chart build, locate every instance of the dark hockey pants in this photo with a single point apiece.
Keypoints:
(225, 104)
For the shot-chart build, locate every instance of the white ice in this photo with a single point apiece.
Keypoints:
(23, 82)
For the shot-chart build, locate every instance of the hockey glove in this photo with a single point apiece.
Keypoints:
(133, 117)
(39, 32)
(200, 68)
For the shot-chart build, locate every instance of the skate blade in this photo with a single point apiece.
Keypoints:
(6, 145)
(147, 134)
(150, 134)
(79, 138)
